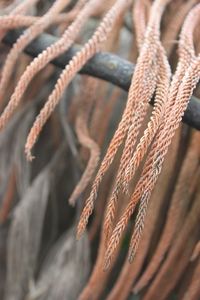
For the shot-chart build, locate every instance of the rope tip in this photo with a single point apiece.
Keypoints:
(80, 232)
(28, 155)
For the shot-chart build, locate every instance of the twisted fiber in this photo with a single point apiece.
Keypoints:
(110, 213)
(142, 193)
(12, 22)
(99, 209)
(105, 115)
(45, 57)
(184, 96)
(153, 126)
(152, 37)
(128, 112)
(178, 257)
(139, 225)
(20, 9)
(108, 159)
(30, 34)
(156, 118)
(179, 204)
(139, 20)
(133, 132)
(101, 205)
(85, 139)
(115, 238)
(123, 221)
(23, 7)
(142, 97)
(92, 46)
(150, 174)
(189, 87)
(130, 272)
(98, 278)
(196, 252)
(102, 111)
(185, 60)
(193, 290)
(177, 107)
(113, 147)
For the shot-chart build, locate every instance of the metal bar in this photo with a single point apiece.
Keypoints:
(106, 66)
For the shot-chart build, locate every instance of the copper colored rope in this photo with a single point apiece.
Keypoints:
(140, 20)
(20, 9)
(138, 98)
(23, 7)
(99, 278)
(140, 24)
(29, 35)
(130, 272)
(45, 57)
(145, 186)
(90, 48)
(163, 84)
(174, 114)
(189, 86)
(12, 22)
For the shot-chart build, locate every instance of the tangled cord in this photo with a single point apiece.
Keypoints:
(30, 34)
(183, 83)
(138, 97)
(90, 48)
(45, 57)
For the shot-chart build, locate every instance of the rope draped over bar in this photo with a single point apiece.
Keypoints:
(103, 65)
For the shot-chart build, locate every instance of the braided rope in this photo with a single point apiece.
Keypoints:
(92, 46)
(44, 58)
(13, 22)
(141, 75)
(177, 103)
(142, 98)
(19, 9)
(29, 35)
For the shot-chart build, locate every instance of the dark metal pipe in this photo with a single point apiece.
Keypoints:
(106, 66)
